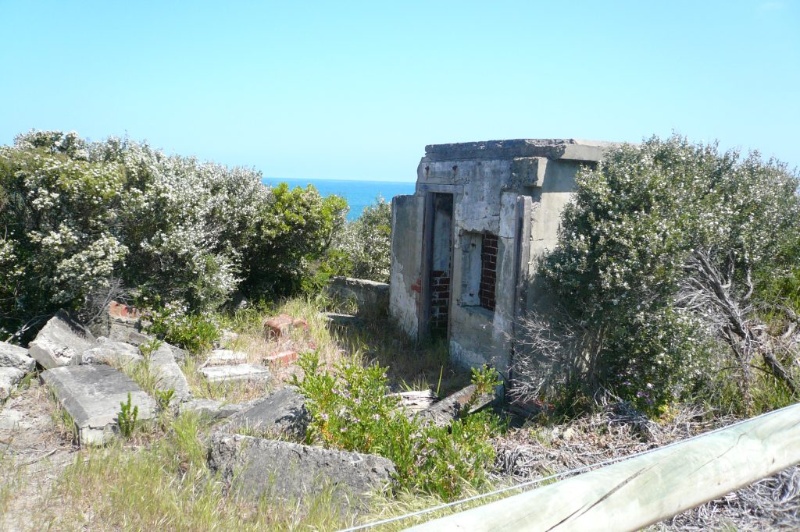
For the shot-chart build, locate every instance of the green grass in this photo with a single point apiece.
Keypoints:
(168, 486)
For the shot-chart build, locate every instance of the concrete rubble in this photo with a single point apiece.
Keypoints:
(225, 357)
(13, 356)
(170, 376)
(106, 351)
(92, 396)
(451, 407)
(282, 413)
(256, 467)
(235, 372)
(211, 408)
(60, 342)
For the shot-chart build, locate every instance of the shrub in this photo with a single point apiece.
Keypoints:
(654, 270)
(363, 248)
(76, 215)
(351, 410)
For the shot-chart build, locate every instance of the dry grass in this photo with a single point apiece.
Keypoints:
(617, 431)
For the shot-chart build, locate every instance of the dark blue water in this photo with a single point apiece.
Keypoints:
(358, 194)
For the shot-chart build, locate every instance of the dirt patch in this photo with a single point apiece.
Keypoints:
(34, 450)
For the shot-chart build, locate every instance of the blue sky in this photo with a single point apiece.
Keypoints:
(355, 90)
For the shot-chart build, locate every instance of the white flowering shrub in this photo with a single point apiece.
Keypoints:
(74, 215)
(654, 273)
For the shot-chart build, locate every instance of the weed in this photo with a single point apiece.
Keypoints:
(127, 417)
(163, 398)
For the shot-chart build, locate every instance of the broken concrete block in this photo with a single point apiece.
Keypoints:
(415, 401)
(225, 357)
(170, 376)
(92, 396)
(13, 356)
(9, 377)
(281, 413)
(449, 408)
(119, 354)
(211, 408)
(255, 467)
(121, 331)
(238, 372)
(60, 341)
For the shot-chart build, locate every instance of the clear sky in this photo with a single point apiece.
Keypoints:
(355, 90)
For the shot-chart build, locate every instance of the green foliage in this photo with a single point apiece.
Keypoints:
(363, 248)
(75, 215)
(163, 398)
(127, 418)
(647, 232)
(291, 231)
(351, 410)
(194, 332)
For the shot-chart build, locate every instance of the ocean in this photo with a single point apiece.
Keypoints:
(359, 194)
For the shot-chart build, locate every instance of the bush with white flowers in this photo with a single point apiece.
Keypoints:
(74, 215)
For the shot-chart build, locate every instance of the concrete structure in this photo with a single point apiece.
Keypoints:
(465, 244)
(92, 396)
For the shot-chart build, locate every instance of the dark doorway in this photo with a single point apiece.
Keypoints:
(439, 233)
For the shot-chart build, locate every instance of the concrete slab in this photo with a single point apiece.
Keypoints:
(211, 408)
(119, 354)
(92, 396)
(60, 342)
(9, 378)
(238, 372)
(225, 357)
(281, 413)
(256, 467)
(170, 376)
(13, 356)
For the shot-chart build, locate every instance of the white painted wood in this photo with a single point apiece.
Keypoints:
(647, 489)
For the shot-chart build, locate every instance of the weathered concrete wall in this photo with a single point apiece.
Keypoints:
(405, 281)
(371, 297)
(513, 190)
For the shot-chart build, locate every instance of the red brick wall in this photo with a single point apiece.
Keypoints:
(440, 299)
(488, 271)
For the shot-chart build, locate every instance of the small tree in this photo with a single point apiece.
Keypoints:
(363, 248)
(654, 275)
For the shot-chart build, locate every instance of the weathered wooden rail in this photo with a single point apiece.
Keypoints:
(648, 488)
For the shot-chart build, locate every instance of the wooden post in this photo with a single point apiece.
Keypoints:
(647, 489)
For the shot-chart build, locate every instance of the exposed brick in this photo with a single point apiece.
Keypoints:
(284, 358)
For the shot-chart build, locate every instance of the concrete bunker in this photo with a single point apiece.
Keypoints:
(465, 244)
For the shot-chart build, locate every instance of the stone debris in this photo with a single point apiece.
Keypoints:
(225, 357)
(238, 372)
(415, 401)
(445, 411)
(12, 356)
(92, 395)
(111, 352)
(210, 408)
(282, 413)
(170, 376)
(60, 342)
(256, 467)
(9, 378)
